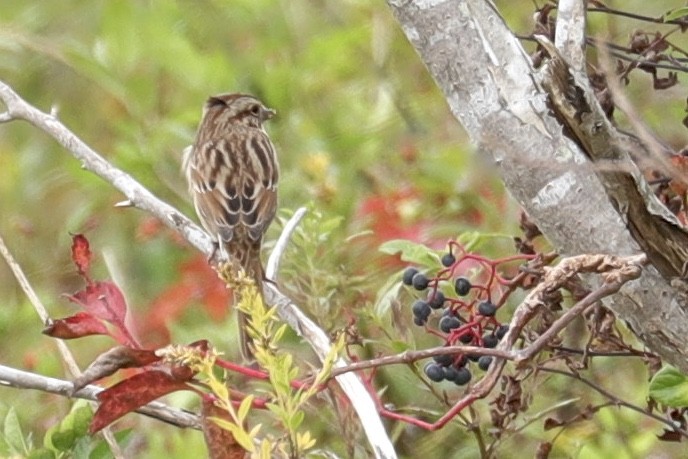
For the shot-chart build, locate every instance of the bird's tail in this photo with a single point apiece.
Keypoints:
(253, 268)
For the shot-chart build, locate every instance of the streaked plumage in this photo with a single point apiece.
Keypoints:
(233, 173)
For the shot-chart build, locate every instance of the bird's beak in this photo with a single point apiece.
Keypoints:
(267, 113)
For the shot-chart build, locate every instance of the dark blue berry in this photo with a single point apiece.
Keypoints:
(418, 321)
(448, 323)
(462, 286)
(466, 338)
(434, 372)
(490, 341)
(484, 362)
(421, 309)
(462, 376)
(420, 281)
(450, 373)
(436, 301)
(448, 259)
(473, 357)
(487, 309)
(444, 359)
(407, 279)
(501, 331)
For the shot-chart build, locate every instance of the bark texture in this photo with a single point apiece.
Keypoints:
(492, 90)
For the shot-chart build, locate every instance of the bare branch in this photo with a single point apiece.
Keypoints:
(141, 198)
(12, 377)
(272, 265)
(570, 32)
(138, 196)
(616, 400)
(38, 306)
(616, 271)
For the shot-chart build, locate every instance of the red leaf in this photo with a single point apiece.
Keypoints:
(105, 301)
(81, 254)
(131, 394)
(113, 360)
(79, 325)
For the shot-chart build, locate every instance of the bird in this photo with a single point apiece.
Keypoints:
(232, 173)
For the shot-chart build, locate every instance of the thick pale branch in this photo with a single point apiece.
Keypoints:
(139, 196)
(489, 83)
(570, 32)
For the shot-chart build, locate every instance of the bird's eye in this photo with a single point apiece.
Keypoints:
(255, 110)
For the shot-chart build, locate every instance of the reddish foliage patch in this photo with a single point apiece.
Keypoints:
(385, 214)
(198, 283)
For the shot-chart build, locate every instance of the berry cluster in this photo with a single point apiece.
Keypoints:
(467, 315)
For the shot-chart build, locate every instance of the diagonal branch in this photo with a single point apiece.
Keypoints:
(139, 197)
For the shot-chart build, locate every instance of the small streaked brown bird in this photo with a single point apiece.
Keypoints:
(233, 172)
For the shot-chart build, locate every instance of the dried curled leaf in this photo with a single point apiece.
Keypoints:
(114, 360)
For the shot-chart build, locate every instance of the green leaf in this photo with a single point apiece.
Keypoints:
(13, 433)
(276, 409)
(387, 295)
(265, 448)
(411, 252)
(82, 448)
(676, 14)
(277, 336)
(102, 449)
(305, 441)
(48, 437)
(474, 240)
(82, 416)
(63, 440)
(65, 435)
(244, 408)
(296, 421)
(327, 226)
(41, 453)
(399, 346)
(670, 387)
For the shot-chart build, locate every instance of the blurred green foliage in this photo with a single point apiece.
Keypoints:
(365, 140)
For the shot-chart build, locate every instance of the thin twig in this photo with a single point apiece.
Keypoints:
(624, 53)
(38, 306)
(616, 272)
(272, 266)
(638, 17)
(616, 400)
